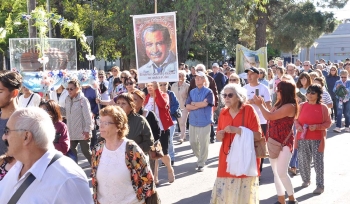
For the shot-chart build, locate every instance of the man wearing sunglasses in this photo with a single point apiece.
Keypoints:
(45, 175)
(307, 67)
(10, 84)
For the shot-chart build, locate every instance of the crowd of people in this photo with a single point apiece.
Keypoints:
(273, 102)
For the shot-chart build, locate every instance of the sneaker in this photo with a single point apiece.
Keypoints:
(347, 129)
(200, 169)
(305, 184)
(318, 190)
(337, 130)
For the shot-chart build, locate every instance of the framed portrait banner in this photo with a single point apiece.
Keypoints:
(246, 58)
(156, 47)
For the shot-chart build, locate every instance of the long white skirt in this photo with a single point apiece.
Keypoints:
(235, 191)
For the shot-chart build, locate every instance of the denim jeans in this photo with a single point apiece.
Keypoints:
(345, 109)
(171, 144)
(294, 160)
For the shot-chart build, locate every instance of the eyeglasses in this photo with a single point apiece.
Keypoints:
(311, 92)
(230, 95)
(162, 84)
(130, 83)
(70, 89)
(7, 130)
(233, 80)
(104, 123)
(199, 70)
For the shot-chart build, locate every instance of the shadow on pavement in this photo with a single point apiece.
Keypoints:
(202, 198)
(181, 171)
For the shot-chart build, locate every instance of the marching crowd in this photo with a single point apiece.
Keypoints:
(137, 123)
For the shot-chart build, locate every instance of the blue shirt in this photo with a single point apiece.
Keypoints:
(90, 94)
(201, 117)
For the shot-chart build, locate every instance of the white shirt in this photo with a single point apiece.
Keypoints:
(150, 106)
(22, 102)
(62, 99)
(63, 182)
(113, 176)
(264, 93)
(105, 95)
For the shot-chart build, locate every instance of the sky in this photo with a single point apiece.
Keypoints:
(340, 14)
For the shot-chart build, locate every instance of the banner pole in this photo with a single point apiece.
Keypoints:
(155, 6)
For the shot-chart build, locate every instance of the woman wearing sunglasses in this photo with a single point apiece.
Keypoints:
(6, 162)
(280, 123)
(311, 136)
(232, 188)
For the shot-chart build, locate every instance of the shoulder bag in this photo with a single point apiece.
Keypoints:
(274, 146)
(156, 151)
(26, 183)
(260, 146)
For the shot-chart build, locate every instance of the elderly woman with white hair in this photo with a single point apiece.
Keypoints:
(180, 89)
(230, 188)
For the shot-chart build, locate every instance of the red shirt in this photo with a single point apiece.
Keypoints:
(251, 121)
(311, 114)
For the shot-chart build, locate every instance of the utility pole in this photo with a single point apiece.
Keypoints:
(31, 4)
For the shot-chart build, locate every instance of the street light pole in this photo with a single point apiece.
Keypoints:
(315, 46)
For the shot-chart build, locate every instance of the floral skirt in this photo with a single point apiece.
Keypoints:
(235, 191)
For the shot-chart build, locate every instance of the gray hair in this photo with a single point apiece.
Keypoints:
(344, 72)
(157, 27)
(38, 122)
(238, 90)
(182, 72)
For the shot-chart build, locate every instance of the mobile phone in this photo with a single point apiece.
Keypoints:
(257, 92)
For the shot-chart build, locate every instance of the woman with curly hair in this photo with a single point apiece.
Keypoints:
(120, 173)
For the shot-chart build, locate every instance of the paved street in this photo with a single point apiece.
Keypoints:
(192, 187)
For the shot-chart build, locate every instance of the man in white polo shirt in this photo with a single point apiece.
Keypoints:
(43, 173)
(254, 87)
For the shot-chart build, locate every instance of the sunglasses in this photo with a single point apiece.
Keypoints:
(131, 83)
(70, 89)
(305, 65)
(100, 77)
(7, 130)
(230, 95)
(122, 77)
(311, 92)
(233, 79)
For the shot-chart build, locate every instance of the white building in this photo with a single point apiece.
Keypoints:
(334, 47)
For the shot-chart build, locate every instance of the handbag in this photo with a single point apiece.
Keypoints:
(153, 199)
(276, 147)
(341, 91)
(156, 151)
(260, 145)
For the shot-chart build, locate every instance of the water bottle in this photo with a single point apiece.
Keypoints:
(302, 136)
